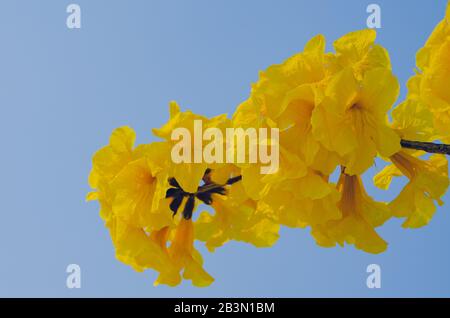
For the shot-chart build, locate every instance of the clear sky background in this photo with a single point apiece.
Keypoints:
(63, 91)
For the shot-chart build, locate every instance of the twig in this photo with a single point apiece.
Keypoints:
(426, 146)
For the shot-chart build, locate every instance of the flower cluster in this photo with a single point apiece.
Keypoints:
(147, 203)
(332, 113)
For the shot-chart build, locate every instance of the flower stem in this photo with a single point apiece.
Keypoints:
(212, 186)
(426, 146)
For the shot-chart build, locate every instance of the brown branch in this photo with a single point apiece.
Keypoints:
(426, 146)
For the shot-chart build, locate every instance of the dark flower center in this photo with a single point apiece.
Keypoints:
(204, 193)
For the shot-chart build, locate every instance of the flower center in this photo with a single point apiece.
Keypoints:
(204, 193)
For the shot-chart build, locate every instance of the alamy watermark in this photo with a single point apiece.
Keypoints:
(374, 19)
(374, 279)
(239, 145)
(73, 20)
(73, 280)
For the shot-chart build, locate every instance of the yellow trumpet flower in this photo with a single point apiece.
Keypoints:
(428, 181)
(360, 216)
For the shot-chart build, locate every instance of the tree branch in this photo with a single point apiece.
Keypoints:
(426, 146)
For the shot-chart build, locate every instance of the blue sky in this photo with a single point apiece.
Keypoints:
(63, 91)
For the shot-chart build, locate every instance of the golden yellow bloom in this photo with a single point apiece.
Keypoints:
(303, 202)
(428, 181)
(109, 160)
(236, 216)
(131, 187)
(360, 215)
(434, 73)
(352, 118)
(268, 94)
(284, 98)
(413, 121)
(183, 256)
(297, 131)
(107, 163)
(134, 247)
(189, 175)
(359, 51)
(434, 91)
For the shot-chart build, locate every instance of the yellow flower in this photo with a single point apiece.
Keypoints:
(236, 216)
(107, 163)
(183, 256)
(219, 185)
(109, 160)
(302, 202)
(269, 96)
(413, 121)
(352, 118)
(188, 175)
(284, 98)
(134, 247)
(360, 215)
(434, 91)
(433, 75)
(297, 131)
(132, 185)
(428, 181)
(359, 51)
(256, 184)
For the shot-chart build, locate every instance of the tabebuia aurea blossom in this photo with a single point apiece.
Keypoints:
(148, 204)
(330, 114)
